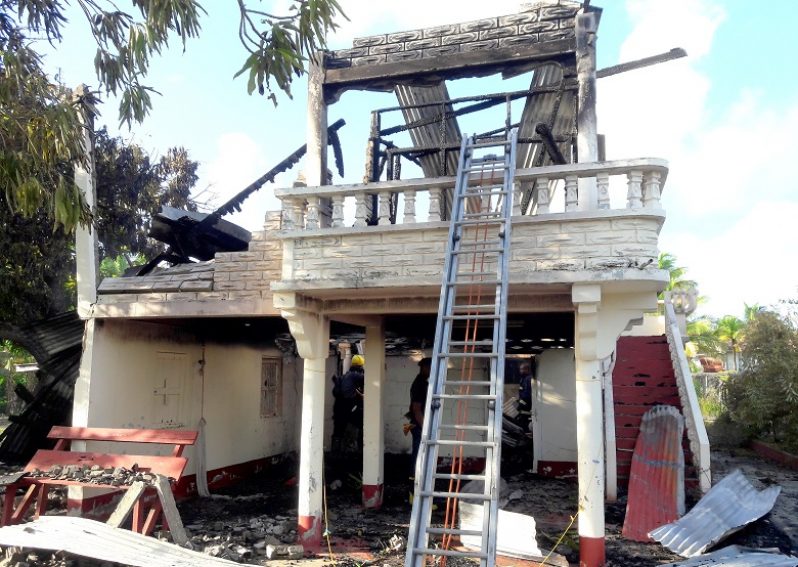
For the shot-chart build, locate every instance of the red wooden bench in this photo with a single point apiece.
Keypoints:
(171, 466)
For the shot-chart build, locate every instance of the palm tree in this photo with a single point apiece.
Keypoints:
(751, 311)
(667, 261)
(731, 330)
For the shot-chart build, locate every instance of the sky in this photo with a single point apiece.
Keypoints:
(725, 118)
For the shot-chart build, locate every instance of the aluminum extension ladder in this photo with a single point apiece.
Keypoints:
(463, 417)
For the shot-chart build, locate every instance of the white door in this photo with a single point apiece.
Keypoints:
(169, 390)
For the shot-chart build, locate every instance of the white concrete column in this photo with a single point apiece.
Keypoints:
(373, 430)
(86, 241)
(586, 124)
(316, 158)
(346, 357)
(311, 330)
(589, 426)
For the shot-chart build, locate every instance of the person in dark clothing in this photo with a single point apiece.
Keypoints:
(525, 395)
(351, 394)
(418, 402)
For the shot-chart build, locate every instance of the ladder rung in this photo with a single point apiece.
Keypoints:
(475, 383)
(481, 282)
(475, 274)
(481, 251)
(482, 215)
(453, 531)
(449, 552)
(490, 242)
(486, 342)
(474, 308)
(500, 220)
(459, 427)
(451, 476)
(464, 396)
(472, 317)
(458, 443)
(469, 354)
(460, 495)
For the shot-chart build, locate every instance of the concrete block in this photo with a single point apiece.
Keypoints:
(554, 240)
(479, 25)
(436, 235)
(425, 248)
(518, 19)
(555, 35)
(439, 31)
(401, 37)
(366, 262)
(496, 33)
(258, 285)
(342, 252)
(369, 41)
(252, 294)
(211, 296)
(459, 38)
(634, 250)
(405, 55)
(246, 256)
(224, 256)
(229, 286)
(648, 237)
(381, 273)
(266, 246)
(441, 51)
(349, 53)
(321, 264)
(588, 226)
(630, 223)
(479, 45)
(307, 253)
(406, 236)
(607, 263)
(387, 48)
(187, 296)
(433, 259)
(118, 298)
(537, 27)
(558, 12)
(336, 274)
(264, 265)
(383, 250)
(423, 43)
(368, 60)
(531, 230)
(527, 40)
(316, 242)
(246, 276)
(615, 237)
(199, 285)
(567, 264)
(422, 271)
(533, 254)
(406, 260)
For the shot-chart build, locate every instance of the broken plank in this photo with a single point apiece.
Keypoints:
(125, 506)
(170, 512)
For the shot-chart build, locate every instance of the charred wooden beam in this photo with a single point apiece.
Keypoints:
(675, 53)
(547, 138)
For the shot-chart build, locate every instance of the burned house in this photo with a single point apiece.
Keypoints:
(243, 345)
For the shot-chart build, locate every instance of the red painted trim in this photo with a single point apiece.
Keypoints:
(772, 453)
(591, 552)
(557, 469)
(309, 532)
(372, 496)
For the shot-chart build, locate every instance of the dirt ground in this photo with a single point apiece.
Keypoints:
(238, 523)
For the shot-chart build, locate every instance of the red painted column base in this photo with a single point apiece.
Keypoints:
(372, 496)
(309, 532)
(591, 552)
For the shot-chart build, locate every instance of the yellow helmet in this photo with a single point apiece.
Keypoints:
(358, 360)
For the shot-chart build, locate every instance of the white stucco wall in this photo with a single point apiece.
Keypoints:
(148, 375)
(556, 406)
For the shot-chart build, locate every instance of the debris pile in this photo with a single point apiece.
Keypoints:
(95, 474)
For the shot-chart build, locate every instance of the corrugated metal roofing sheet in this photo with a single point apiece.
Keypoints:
(430, 135)
(88, 538)
(656, 483)
(737, 556)
(727, 507)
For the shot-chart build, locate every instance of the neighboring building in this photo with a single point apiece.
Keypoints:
(209, 341)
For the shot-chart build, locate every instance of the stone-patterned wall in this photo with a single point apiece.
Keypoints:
(534, 24)
(404, 257)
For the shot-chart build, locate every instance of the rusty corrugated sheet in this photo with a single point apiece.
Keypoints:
(89, 538)
(656, 483)
(737, 556)
(430, 135)
(727, 507)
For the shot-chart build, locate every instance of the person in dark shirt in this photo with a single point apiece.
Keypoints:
(351, 396)
(418, 401)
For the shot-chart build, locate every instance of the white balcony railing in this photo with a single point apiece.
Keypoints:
(549, 189)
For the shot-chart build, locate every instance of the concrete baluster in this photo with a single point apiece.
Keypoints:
(634, 192)
(337, 211)
(542, 195)
(651, 190)
(571, 193)
(384, 208)
(410, 206)
(603, 187)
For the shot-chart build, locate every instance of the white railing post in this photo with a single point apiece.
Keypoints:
(337, 211)
(384, 209)
(651, 190)
(694, 420)
(603, 189)
(314, 212)
(542, 195)
(361, 210)
(410, 207)
(435, 204)
(634, 180)
(571, 193)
